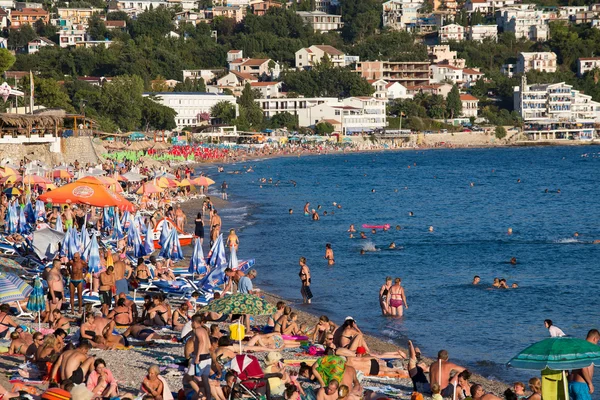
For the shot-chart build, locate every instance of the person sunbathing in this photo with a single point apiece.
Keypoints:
(18, 347)
(142, 332)
(60, 321)
(121, 314)
(272, 341)
(110, 341)
(370, 365)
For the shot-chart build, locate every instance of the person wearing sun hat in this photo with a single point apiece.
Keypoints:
(274, 366)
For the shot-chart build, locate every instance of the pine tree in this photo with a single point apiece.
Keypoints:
(453, 103)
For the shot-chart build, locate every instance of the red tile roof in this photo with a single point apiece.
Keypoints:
(468, 97)
(332, 51)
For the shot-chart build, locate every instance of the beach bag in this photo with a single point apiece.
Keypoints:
(416, 396)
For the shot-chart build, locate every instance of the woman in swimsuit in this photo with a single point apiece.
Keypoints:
(180, 317)
(6, 322)
(159, 314)
(232, 240)
(306, 281)
(270, 327)
(463, 389)
(60, 321)
(121, 314)
(383, 294)
(349, 336)
(199, 229)
(329, 254)
(322, 329)
(151, 384)
(290, 327)
(397, 298)
(272, 341)
(17, 345)
(287, 310)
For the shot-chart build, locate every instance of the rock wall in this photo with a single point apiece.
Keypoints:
(71, 149)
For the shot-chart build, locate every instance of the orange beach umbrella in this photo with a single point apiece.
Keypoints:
(34, 180)
(203, 181)
(96, 195)
(148, 188)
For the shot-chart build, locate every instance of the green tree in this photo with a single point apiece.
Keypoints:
(45, 30)
(121, 99)
(96, 28)
(6, 60)
(156, 23)
(283, 120)
(223, 111)
(324, 128)
(191, 85)
(18, 38)
(453, 103)
(157, 116)
(500, 132)
(327, 81)
(51, 95)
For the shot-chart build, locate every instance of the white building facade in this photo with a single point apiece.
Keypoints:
(479, 33)
(538, 61)
(453, 32)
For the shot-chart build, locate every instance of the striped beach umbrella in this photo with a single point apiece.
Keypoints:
(93, 258)
(30, 215)
(197, 262)
(40, 209)
(85, 239)
(37, 300)
(149, 241)
(59, 224)
(139, 222)
(139, 250)
(172, 248)
(216, 255)
(12, 217)
(164, 233)
(13, 288)
(106, 218)
(23, 226)
(125, 219)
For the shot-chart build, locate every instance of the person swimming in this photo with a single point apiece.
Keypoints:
(290, 211)
(363, 235)
(513, 261)
(392, 245)
(373, 231)
(476, 280)
(411, 214)
(431, 229)
(398, 227)
(509, 231)
(351, 229)
(363, 252)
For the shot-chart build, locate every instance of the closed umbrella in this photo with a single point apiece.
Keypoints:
(40, 210)
(560, 354)
(197, 262)
(23, 226)
(59, 224)
(106, 217)
(216, 255)
(125, 220)
(85, 243)
(139, 250)
(93, 259)
(37, 300)
(117, 229)
(13, 220)
(233, 260)
(172, 248)
(149, 241)
(164, 233)
(30, 215)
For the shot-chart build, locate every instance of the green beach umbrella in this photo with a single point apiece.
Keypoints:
(240, 303)
(560, 353)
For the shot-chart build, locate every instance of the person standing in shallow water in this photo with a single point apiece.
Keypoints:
(305, 279)
(329, 254)
(396, 299)
(383, 294)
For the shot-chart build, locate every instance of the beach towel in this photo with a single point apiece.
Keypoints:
(167, 395)
(331, 367)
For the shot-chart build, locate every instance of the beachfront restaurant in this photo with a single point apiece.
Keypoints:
(560, 130)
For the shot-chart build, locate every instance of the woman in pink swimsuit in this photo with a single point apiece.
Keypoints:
(396, 299)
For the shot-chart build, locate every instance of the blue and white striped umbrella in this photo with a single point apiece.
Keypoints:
(30, 213)
(130, 235)
(13, 288)
(164, 233)
(233, 260)
(12, 217)
(40, 209)
(59, 224)
(73, 243)
(139, 250)
(216, 255)
(23, 226)
(93, 259)
(149, 241)
(172, 248)
(197, 262)
(106, 218)
(37, 300)
(118, 230)
(85, 239)
(126, 220)
(139, 222)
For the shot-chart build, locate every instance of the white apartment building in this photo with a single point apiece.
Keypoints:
(587, 64)
(293, 106)
(71, 37)
(36, 44)
(487, 6)
(195, 74)
(233, 55)
(446, 73)
(144, 5)
(400, 14)
(526, 23)
(311, 56)
(452, 32)
(325, 5)
(189, 106)
(555, 111)
(471, 75)
(539, 61)
(355, 114)
(470, 105)
(441, 54)
(479, 33)
(320, 21)
(267, 89)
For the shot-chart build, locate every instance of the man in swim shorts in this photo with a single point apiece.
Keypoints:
(580, 380)
(200, 362)
(74, 364)
(75, 268)
(56, 288)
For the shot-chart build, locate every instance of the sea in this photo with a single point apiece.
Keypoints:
(471, 197)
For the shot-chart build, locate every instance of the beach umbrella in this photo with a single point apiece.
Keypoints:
(85, 192)
(166, 182)
(149, 241)
(172, 248)
(185, 182)
(202, 181)
(13, 288)
(11, 170)
(197, 262)
(164, 233)
(40, 210)
(45, 242)
(37, 300)
(133, 177)
(240, 303)
(216, 255)
(559, 354)
(30, 215)
(59, 224)
(148, 188)
(10, 216)
(23, 227)
(139, 250)
(106, 218)
(34, 180)
(85, 241)
(9, 179)
(233, 260)
(139, 222)
(93, 256)
(62, 174)
(10, 266)
(12, 191)
(125, 219)
(71, 243)
(117, 229)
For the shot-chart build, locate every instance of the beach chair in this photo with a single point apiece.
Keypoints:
(7, 249)
(251, 381)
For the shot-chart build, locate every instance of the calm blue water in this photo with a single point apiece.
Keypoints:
(556, 273)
